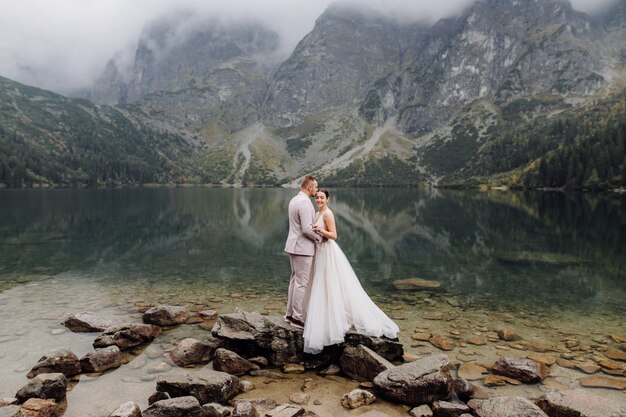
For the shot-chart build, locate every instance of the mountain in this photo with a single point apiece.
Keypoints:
(47, 139)
(362, 100)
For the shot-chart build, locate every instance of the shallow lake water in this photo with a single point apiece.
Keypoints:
(549, 266)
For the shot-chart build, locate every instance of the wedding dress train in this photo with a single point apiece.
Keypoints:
(337, 301)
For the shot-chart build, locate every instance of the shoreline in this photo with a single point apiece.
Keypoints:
(443, 316)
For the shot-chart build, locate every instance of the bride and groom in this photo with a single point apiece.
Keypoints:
(325, 296)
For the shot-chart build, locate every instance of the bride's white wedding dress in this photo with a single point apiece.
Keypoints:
(337, 301)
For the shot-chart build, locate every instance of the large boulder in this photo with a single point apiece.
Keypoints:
(191, 352)
(362, 364)
(505, 407)
(392, 350)
(58, 361)
(524, 370)
(229, 362)
(580, 403)
(100, 360)
(86, 322)
(252, 334)
(166, 315)
(205, 385)
(36, 407)
(44, 386)
(421, 382)
(127, 336)
(176, 407)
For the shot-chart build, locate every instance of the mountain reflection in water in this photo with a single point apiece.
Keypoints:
(536, 248)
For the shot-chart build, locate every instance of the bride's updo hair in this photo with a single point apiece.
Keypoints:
(325, 191)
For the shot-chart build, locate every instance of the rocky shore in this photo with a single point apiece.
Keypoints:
(251, 364)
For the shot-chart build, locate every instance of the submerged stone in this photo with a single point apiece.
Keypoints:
(415, 284)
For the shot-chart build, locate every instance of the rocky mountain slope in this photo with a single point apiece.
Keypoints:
(366, 100)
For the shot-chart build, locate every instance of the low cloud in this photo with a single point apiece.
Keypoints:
(64, 45)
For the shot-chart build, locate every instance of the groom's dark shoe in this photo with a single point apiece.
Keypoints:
(287, 319)
(297, 323)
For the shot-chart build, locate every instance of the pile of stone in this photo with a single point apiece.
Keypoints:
(250, 343)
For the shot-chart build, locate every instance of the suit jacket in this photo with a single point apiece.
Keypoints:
(301, 239)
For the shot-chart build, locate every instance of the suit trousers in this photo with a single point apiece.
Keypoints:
(301, 266)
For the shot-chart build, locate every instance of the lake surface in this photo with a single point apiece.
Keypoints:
(504, 257)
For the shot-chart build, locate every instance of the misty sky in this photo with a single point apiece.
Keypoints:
(64, 45)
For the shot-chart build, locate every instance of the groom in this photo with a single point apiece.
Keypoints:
(300, 246)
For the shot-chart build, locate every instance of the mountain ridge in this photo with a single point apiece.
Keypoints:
(365, 100)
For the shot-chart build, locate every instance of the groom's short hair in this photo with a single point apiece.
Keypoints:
(307, 180)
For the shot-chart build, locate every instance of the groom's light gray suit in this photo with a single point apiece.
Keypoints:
(300, 246)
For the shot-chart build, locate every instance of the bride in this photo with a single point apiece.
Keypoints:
(336, 299)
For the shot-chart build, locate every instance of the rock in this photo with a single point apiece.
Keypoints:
(392, 350)
(36, 407)
(7, 401)
(166, 315)
(477, 341)
(216, 410)
(415, 284)
(10, 411)
(208, 314)
(494, 381)
(448, 409)
(58, 361)
(421, 336)
(128, 409)
(546, 360)
(524, 370)
(256, 333)
(158, 396)
(609, 364)
(299, 398)
(205, 385)
(618, 338)
(603, 382)
(416, 383)
(331, 370)
(245, 409)
(160, 367)
(421, 411)
(308, 385)
(246, 386)
(262, 405)
(44, 386)
(259, 360)
(463, 389)
(127, 336)
(508, 335)
(102, 359)
(442, 343)
(564, 363)
(580, 403)
(472, 371)
(175, 407)
(86, 322)
(357, 398)
(230, 362)
(588, 367)
(505, 407)
(616, 355)
(362, 364)
(293, 368)
(191, 352)
(410, 357)
(285, 410)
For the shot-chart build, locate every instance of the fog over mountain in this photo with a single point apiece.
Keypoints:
(65, 45)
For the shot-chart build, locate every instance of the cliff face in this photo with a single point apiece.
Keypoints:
(363, 93)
